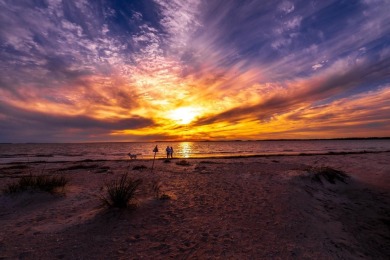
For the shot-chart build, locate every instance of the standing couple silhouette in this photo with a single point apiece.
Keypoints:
(169, 152)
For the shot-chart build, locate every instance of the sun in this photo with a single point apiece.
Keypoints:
(184, 115)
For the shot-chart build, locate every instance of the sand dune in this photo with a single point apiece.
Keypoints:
(242, 208)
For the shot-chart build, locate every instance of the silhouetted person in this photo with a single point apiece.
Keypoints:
(168, 149)
(171, 152)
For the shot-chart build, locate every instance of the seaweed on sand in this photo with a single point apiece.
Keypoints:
(324, 173)
(183, 163)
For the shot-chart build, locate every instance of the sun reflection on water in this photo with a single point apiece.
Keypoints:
(185, 149)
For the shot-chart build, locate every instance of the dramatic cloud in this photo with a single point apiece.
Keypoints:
(154, 69)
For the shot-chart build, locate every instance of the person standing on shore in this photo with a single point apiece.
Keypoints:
(171, 150)
(168, 149)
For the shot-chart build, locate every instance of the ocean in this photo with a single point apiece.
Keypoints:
(118, 151)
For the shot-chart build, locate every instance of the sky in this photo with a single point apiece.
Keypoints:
(147, 70)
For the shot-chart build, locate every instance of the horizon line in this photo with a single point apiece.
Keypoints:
(200, 140)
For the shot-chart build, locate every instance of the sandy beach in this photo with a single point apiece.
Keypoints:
(239, 208)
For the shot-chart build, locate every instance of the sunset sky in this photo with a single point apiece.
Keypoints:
(146, 70)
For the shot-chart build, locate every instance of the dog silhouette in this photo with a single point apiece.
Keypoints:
(132, 156)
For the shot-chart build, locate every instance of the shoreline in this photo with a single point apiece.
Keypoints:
(206, 157)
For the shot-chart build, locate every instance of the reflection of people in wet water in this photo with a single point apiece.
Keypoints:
(171, 152)
(168, 149)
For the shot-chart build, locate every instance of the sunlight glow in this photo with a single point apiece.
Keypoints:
(168, 77)
(184, 115)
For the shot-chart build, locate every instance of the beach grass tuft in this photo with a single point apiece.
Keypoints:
(48, 183)
(318, 174)
(121, 193)
(157, 190)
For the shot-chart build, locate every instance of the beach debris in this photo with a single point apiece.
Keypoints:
(140, 167)
(183, 163)
(201, 169)
(210, 162)
(103, 169)
(165, 197)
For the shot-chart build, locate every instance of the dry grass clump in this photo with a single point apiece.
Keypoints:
(121, 193)
(48, 183)
(183, 163)
(320, 174)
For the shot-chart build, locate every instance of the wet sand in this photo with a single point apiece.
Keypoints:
(237, 208)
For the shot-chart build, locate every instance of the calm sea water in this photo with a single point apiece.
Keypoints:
(119, 151)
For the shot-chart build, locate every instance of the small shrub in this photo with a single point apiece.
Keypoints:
(327, 173)
(48, 183)
(139, 167)
(183, 163)
(121, 193)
